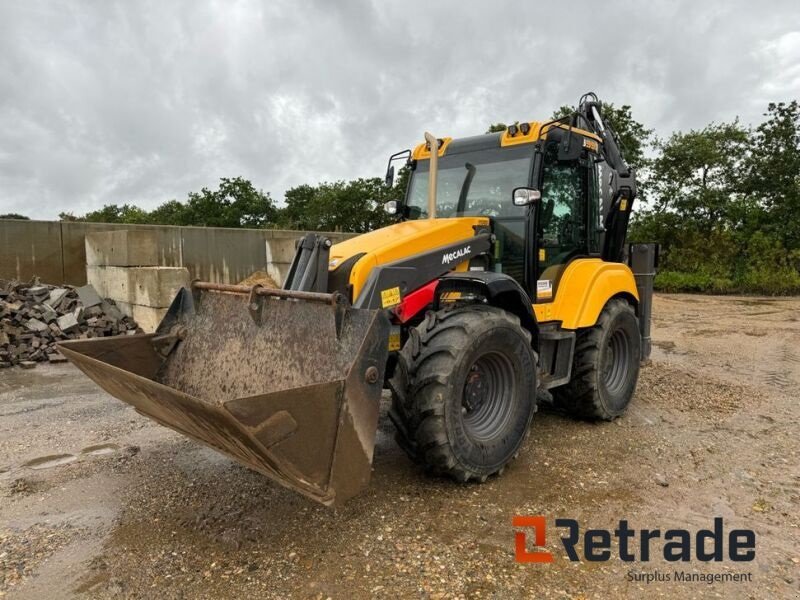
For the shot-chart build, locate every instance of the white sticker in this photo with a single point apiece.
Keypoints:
(544, 288)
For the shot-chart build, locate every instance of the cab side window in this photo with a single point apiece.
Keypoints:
(563, 219)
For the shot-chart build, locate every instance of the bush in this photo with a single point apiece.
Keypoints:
(696, 282)
(777, 282)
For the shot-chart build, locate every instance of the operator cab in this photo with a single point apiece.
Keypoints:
(477, 176)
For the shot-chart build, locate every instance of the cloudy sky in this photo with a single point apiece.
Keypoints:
(133, 101)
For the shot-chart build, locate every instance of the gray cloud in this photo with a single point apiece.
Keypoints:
(115, 101)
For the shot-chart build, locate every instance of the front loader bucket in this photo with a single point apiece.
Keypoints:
(288, 386)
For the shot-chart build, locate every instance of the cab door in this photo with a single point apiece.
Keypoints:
(568, 225)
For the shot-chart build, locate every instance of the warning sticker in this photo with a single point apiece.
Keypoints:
(394, 339)
(450, 296)
(590, 144)
(390, 297)
(623, 205)
(544, 288)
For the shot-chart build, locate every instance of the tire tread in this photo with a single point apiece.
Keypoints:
(418, 404)
(580, 397)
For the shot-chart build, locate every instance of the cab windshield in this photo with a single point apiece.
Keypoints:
(472, 183)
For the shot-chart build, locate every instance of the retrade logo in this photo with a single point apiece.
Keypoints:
(521, 552)
(628, 544)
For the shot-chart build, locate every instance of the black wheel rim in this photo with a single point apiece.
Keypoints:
(617, 362)
(487, 400)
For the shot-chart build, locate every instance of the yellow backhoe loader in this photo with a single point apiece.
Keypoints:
(506, 274)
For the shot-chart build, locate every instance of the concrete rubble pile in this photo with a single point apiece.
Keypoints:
(34, 316)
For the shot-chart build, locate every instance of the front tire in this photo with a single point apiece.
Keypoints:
(605, 367)
(464, 391)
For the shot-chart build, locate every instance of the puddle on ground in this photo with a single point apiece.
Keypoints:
(100, 449)
(53, 460)
(665, 345)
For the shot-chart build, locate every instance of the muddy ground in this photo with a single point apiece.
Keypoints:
(96, 501)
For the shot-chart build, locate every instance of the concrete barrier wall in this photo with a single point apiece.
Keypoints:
(56, 251)
(28, 247)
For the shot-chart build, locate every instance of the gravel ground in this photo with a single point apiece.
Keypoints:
(97, 501)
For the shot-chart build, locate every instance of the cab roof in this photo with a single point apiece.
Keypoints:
(522, 133)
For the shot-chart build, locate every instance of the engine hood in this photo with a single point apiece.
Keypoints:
(399, 241)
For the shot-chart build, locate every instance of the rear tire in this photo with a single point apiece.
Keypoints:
(605, 367)
(464, 391)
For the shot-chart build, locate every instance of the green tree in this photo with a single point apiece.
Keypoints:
(697, 174)
(295, 214)
(171, 212)
(15, 216)
(724, 207)
(772, 173)
(355, 206)
(498, 127)
(400, 185)
(235, 203)
(113, 213)
(695, 209)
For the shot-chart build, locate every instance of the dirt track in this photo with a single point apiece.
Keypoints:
(141, 512)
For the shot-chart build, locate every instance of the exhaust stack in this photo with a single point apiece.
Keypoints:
(434, 171)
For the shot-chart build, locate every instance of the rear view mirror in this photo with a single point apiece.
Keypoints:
(389, 176)
(390, 207)
(524, 196)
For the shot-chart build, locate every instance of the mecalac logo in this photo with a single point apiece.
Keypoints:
(675, 545)
(449, 257)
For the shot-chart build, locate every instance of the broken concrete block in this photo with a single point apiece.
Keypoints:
(56, 295)
(27, 364)
(56, 357)
(35, 325)
(94, 311)
(39, 291)
(88, 296)
(68, 323)
(48, 313)
(111, 312)
(78, 313)
(12, 306)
